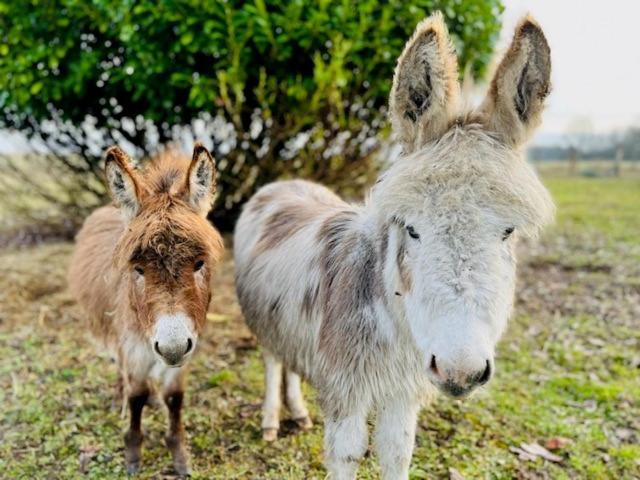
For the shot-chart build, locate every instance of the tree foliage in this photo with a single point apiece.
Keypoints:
(294, 88)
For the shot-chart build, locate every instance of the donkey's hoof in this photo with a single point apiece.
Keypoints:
(269, 434)
(133, 468)
(182, 469)
(304, 423)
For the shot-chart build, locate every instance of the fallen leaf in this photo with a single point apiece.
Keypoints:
(624, 433)
(522, 455)
(87, 453)
(540, 451)
(556, 443)
(588, 405)
(245, 343)
(455, 474)
(42, 315)
(217, 318)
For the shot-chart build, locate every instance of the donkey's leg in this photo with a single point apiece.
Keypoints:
(154, 400)
(118, 396)
(120, 399)
(173, 394)
(272, 397)
(295, 402)
(345, 443)
(138, 393)
(394, 437)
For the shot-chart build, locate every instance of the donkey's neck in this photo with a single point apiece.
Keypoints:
(355, 250)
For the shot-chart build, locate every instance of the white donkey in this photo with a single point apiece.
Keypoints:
(376, 304)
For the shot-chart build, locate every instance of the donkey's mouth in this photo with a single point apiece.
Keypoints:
(170, 363)
(455, 390)
(174, 365)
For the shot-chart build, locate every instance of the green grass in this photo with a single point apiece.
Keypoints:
(568, 367)
(607, 207)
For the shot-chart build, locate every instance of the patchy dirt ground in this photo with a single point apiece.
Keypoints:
(567, 372)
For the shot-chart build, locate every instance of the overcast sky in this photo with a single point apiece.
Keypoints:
(595, 49)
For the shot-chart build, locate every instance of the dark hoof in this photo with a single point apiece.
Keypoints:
(133, 451)
(133, 468)
(175, 444)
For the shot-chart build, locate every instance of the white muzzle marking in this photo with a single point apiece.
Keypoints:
(173, 338)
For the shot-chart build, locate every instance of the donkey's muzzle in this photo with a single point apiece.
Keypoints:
(456, 383)
(173, 339)
(174, 354)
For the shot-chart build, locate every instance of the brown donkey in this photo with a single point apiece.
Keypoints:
(141, 270)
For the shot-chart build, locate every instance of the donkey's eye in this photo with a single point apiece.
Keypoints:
(139, 270)
(198, 265)
(507, 233)
(412, 232)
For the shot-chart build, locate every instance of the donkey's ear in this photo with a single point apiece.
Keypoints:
(520, 85)
(425, 89)
(201, 180)
(122, 182)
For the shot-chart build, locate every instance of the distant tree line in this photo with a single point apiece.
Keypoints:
(591, 147)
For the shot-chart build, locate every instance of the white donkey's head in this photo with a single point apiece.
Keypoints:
(456, 201)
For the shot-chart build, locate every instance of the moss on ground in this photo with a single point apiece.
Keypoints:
(568, 367)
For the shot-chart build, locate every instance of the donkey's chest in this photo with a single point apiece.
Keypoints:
(373, 359)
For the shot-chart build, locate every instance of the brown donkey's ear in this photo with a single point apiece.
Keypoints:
(425, 90)
(201, 180)
(123, 185)
(520, 85)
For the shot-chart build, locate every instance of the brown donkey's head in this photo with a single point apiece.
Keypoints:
(168, 248)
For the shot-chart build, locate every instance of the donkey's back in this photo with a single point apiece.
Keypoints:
(277, 275)
(91, 275)
(281, 210)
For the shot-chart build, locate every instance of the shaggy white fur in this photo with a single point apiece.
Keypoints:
(378, 305)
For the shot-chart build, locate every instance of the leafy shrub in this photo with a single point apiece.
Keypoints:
(295, 88)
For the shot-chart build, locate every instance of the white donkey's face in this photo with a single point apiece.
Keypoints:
(458, 198)
(459, 269)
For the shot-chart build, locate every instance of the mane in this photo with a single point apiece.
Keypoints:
(166, 172)
(467, 163)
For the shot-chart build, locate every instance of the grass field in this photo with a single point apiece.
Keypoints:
(568, 372)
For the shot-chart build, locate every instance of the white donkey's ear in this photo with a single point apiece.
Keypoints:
(201, 180)
(520, 85)
(425, 92)
(125, 189)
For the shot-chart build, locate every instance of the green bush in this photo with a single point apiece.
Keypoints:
(295, 88)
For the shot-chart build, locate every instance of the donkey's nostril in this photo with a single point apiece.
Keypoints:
(432, 366)
(189, 346)
(486, 375)
(157, 348)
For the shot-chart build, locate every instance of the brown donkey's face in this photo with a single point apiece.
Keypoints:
(167, 251)
(169, 280)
